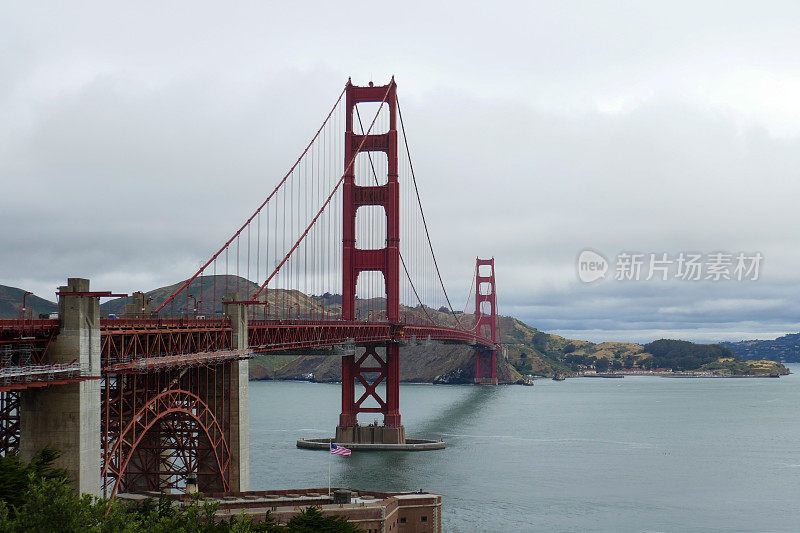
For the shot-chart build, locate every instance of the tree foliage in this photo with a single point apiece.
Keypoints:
(685, 355)
(311, 520)
(573, 360)
(36, 497)
(540, 341)
(523, 366)
(16, 476)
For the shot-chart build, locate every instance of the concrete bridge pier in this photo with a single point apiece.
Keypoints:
(68, 416)
(239, 397)
(140, 306)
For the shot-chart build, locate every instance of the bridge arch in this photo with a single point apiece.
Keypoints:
(170, 404)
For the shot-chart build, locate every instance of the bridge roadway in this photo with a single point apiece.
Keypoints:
(143, 344)
(140, 371)
(128, 340)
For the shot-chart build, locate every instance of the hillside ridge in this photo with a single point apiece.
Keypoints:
(528, 352)
(785, 349)
(11, 303)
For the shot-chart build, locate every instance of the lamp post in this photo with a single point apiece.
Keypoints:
(24, 303)
(191, 484)
(195, 304)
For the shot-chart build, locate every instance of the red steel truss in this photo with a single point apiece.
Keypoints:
(9, 422)
(25, 341)
(275, 335)
(125, 340)
(146, 343)
(160, 427)
(370, 369)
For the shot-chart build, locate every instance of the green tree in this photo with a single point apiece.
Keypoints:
(16, 476)
(311, 520)
(51, 505)
(601, 365)
(685, 355)
(523, 366)
(36, 497)
(540, 341)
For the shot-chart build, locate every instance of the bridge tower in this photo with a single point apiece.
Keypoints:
(372, 367)
(486, 317)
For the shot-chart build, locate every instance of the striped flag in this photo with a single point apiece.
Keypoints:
(339, 450)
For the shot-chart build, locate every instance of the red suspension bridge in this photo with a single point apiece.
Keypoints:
(338, 257)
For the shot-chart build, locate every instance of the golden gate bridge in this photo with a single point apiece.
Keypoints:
(338, 257)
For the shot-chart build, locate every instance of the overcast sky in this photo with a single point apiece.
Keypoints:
(134, 139)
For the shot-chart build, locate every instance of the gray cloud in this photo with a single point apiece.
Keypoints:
(133, 141)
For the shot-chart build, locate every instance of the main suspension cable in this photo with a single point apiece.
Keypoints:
(324, 205)
(422, 212)
(402, 260)
(246, 224)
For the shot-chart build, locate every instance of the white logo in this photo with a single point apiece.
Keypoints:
(591, 266)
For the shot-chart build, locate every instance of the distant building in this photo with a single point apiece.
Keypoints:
(373, 512)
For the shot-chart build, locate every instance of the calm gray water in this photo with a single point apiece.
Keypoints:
(632, 454)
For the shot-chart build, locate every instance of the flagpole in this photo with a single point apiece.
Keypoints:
(329, 470)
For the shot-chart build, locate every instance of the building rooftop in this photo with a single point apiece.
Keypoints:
(370, 510)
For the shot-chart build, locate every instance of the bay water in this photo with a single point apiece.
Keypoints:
(631, 454)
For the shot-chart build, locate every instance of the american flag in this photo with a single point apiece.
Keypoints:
(339, 450)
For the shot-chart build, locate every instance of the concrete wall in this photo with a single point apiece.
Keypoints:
(68, 416)
(371, 434)
(140, 306)
(240, 399)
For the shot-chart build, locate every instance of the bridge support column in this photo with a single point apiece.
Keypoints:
(392, 417)
(347, 419)
(239, 398)
(68, 416)
(486, 318)
(371, 370)
(486, 367)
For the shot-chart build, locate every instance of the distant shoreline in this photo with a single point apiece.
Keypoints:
(619, 375)
(692, 375)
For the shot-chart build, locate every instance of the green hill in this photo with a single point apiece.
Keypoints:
(528, 351)
(11, 302)
(208, 289)
(785, 349)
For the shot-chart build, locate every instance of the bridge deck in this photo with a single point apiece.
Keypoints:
(146, 344)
